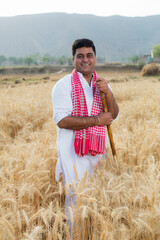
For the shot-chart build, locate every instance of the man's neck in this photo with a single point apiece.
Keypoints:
(88, 78)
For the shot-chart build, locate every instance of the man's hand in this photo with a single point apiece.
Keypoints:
(102, 86)
(105, 118)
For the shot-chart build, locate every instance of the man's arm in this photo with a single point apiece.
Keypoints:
(112, 105)
(76, 123)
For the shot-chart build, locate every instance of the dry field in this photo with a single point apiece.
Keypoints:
(120, 202)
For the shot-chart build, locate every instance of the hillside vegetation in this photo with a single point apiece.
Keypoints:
(123, 37)
(120, 201)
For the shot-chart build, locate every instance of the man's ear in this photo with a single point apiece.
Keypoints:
(73, 60)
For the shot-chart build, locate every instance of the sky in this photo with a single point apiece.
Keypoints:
(131, 8)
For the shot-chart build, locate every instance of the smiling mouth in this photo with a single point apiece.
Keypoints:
(85, 65)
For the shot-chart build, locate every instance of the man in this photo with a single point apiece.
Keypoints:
(79, 114)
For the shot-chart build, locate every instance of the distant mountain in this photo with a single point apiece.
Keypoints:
(115, 37)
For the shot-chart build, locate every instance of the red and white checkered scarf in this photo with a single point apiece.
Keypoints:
(90, 140)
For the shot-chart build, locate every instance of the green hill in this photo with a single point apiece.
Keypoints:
(115, 37)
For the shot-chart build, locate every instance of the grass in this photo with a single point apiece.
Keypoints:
(112, 205)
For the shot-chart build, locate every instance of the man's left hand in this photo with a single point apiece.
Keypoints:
(102, 85)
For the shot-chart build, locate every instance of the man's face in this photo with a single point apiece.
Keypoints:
(84, 60)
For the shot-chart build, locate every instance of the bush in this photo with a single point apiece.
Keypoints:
(152, 69)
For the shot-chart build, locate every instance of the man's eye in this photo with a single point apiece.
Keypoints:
(90, 55)
(79, 56)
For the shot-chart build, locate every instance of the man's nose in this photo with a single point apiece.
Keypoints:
(85, 58)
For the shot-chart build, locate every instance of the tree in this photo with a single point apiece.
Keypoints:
(100, 59)
(134, 59)
(156, 51)
(20, 60)
(62, 60)
(12, 60)
(69, 60)
(36, 58)
(2, 59)
(28, 60)
(47, 59)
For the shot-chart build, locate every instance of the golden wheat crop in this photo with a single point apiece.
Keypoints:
(117, 203)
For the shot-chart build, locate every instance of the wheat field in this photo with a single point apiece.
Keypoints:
(121, 200)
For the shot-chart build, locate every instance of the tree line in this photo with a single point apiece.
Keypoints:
(155, 53)
(34, 59)
(37, 59)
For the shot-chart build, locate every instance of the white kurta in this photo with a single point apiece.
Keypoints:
(62, 105)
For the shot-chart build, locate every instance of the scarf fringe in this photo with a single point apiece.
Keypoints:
(81, 146)
(94, 145)
(97, 144)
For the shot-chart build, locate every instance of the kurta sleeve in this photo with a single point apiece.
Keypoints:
(61, 99)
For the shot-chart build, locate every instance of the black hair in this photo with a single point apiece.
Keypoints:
(83, 42)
